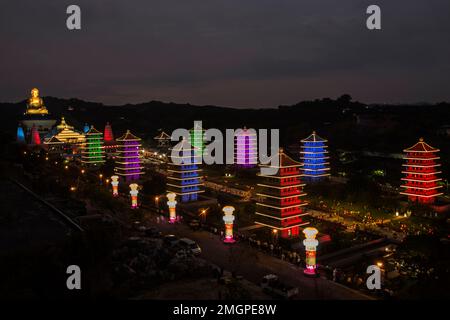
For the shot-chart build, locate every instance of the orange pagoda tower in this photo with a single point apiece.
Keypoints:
(420, 170)
(280, 204)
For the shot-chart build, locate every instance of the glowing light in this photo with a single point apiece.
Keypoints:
(134, 195)
(184, 178)
(246, 154)
(35, 138)
(35, 104)
(92, 149)
(280, 203)
(171, 203)
(20, 134)
(128, 161)
(421, 182)
(310, 244)
(108, 134)
(314, 157)
(115, 185)
(228, 218)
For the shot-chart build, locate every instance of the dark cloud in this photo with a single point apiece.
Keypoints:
(226, 52)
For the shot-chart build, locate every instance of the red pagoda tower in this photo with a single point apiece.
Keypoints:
(35, 138)
(420, 181)
(280, 204)
(108, 134)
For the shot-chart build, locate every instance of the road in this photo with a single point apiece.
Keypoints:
(253, 264)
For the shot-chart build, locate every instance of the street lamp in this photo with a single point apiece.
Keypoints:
(115, 185)
(228, 218)
(171, 203)
(134, 195)
(310, 244)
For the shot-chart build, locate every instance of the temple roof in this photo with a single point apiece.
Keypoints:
(184, 145)
(162, 136)
(421, 146)
(92, 130)
(63, 125)
(314, 138)
(284, 161)
(128, 136)
(53, 140)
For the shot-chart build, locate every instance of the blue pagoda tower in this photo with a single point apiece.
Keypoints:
(314, 156)
(184, 175)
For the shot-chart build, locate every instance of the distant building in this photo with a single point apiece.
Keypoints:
(162, 141)
(420, 170)
(110, 144)
(128, 160)
(281, 205)
(197, 140)
(314, 156)
(246, 148)
(184, 175)
(92, 151)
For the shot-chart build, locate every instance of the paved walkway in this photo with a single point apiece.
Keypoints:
(253, 264)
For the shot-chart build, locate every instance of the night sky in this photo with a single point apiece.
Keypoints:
(240, 53)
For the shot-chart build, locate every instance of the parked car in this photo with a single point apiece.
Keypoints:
(272, 285)
(190, 245)
(171, 240)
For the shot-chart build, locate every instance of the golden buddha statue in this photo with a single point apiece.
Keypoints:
(35, 104)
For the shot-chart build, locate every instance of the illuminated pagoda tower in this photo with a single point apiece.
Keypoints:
(314, 156)
(20, 134)
(246, 150)
(420, 170)
(92, 151)
(35, 139)
(128, 159)
(184, 175)
(162, 141)
(197, 135)
(280, 204)
(86, 128)
(110, 144)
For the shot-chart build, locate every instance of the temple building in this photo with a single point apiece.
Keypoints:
(110, 144)
(246, 149)
(128, 159)
(162, 141)
(420, 183)
(92, 151)
(197, 140)
(66, 135)
(184, 175)
(280, 204)
(54, 146)
(36, 115)
(314, 156)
